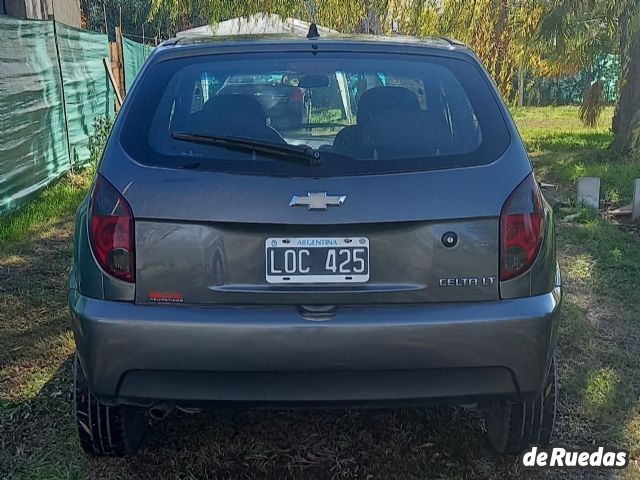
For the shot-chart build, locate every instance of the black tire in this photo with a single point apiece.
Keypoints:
(104, 430)
(513, 426)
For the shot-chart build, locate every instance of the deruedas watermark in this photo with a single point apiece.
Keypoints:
(560, 457)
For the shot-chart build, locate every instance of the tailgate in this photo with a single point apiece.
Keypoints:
(201, 237)
(216, 263)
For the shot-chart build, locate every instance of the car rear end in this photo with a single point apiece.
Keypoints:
(414, 262)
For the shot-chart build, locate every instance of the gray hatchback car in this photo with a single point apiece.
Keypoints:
(387, 245)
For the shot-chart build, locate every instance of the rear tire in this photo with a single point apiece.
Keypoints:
(104, 430)
(513, 426)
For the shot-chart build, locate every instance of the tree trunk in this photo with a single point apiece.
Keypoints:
(371, 23)
(627, 113)
(521, 86)
(502, 71)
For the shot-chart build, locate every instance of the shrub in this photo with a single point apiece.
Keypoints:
(98, 139)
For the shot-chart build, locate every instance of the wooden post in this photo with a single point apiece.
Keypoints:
(117, 62)
(112, 80)
(520, 86)
(106, 25)
(114, 68)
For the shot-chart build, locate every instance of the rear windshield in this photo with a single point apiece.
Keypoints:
(358, 113)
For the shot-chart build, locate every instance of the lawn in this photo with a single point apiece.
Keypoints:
(564, 150)
(599, 367)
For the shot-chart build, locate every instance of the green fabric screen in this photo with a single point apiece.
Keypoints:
(87, 91)
(135, 54)
(33, 140)
(34, 133)
(570, 90)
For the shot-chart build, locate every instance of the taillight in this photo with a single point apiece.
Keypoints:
(521, 229)
(111, 231)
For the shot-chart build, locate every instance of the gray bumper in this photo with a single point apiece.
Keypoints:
(443, 352)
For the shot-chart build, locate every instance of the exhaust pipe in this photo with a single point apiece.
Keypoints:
(161, 411)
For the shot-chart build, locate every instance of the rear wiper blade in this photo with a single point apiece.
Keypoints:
(293, 153)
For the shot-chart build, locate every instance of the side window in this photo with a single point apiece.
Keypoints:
(359, 83)
(168, 114)
(465, 128)
(354, 81)
(197, 98)
(327, 105)
(204, 88)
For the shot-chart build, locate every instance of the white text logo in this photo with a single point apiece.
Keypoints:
(564, 457)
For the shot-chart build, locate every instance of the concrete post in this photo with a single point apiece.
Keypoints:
(589, 192)
(635, 211)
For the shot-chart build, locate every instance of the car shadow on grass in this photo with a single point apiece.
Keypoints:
(39, 441)
(380, 443)
(561, 141)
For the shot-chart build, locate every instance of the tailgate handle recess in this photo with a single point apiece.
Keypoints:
(317, 312)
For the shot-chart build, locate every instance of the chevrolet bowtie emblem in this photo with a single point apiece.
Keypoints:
(317, 201)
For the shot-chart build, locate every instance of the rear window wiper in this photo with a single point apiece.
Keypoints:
(284, 151)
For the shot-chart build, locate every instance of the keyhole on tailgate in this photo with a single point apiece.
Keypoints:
(450, 239)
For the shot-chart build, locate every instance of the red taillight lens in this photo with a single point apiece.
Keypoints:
(521, 229)
(111, 231)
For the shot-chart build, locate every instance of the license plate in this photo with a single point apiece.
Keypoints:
(317, 260)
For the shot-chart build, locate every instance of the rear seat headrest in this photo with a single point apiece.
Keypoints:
(380, 99)
(234, 107)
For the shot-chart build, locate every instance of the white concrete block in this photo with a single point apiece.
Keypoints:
(589, 192)
(635, 209)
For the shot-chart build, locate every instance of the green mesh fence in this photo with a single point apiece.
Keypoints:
(33, 141)
(135, 55)
(87, 91)
(34, 137)
(570, 90)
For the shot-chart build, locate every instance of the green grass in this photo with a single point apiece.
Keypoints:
(55, 202)
(327, 115)
(564, 150)
(601, 325)
(599, 360)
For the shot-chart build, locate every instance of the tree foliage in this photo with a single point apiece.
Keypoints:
(499, 31)
(345, 16)
(135, 18)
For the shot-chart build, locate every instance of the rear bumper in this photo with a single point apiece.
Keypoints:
(414, 353)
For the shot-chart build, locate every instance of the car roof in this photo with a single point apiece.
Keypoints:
(357, 42)
(361, 43)
(443, 42)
